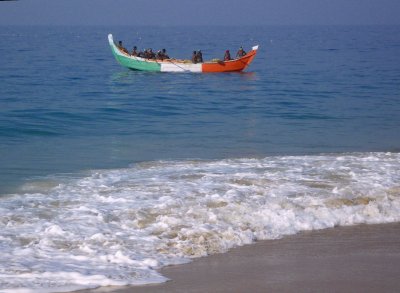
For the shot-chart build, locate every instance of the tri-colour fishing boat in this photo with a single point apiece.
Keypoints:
(174, 65)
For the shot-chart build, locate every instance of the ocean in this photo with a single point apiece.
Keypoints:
(108, 174)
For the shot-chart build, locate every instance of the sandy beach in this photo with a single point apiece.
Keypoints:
(363, 258)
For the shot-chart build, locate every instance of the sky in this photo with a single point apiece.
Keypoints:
(200, 12)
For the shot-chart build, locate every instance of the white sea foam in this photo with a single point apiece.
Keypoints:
(115, 227)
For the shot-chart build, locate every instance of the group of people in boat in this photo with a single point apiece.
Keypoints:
(147, 54)
(197, 56)
(240, 53)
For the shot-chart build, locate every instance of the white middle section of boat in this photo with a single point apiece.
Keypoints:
(171, 66)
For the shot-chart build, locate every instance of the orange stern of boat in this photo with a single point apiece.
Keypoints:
(232, 65)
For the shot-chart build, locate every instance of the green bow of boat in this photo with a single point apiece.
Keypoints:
(131, 62)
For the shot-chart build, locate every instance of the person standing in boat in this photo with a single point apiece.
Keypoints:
(240, 53)
(134, 51)
(122, 48)
(227, 56)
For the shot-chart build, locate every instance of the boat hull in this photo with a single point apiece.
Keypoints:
(172, 65)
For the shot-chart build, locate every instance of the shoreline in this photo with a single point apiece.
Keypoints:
(363, 258)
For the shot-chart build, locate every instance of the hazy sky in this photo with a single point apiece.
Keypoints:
(197, 12)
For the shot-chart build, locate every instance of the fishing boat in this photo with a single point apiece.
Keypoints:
(174, 65)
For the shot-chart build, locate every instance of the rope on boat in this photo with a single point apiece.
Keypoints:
(169, 60)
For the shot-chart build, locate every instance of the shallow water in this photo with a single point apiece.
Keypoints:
(115, 227)
(107, 173)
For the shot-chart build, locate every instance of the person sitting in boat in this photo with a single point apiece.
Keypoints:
(147, 54)
(141, 54)
(194, 57)
(134, 51)
(199, 57)
(227, 56)
(159, 55)
(164, 53)
(122, 48)
(150, 54)
(240, 53)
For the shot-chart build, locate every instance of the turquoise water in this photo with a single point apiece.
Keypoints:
(107, 173)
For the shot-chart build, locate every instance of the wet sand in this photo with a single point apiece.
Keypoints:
(363, 258)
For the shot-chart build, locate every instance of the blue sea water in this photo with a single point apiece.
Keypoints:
(66, 105)
(316, 117)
